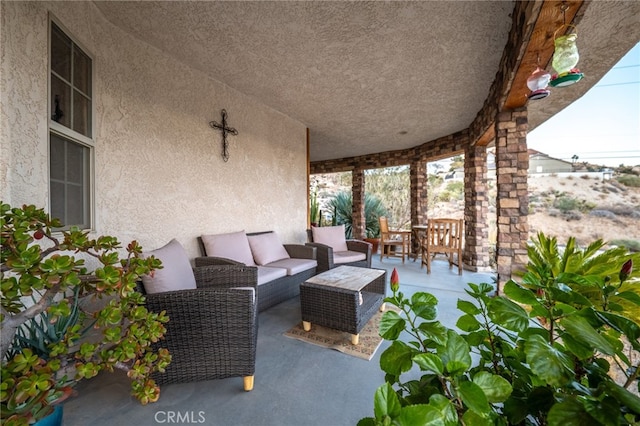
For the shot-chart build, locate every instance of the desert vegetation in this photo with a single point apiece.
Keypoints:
(630, 180)
(586, 208)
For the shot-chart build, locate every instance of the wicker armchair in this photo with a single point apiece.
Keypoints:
(212, 330)
(327, 260)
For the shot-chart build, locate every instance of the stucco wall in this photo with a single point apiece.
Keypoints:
(158, 169)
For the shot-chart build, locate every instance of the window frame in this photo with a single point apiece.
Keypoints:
(67, 133)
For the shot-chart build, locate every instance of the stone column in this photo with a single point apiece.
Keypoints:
(419, 191)
(358, 218)
(476, 209)
(418, 182)
(512, 164)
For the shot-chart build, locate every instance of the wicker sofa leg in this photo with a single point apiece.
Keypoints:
(248, 383)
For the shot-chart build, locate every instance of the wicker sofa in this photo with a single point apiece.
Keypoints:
(280, 271)
(207, 302)
(334, 250)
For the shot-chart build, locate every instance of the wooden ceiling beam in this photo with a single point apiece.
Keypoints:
(488, 136)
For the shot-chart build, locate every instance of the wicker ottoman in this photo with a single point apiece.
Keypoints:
(344, 298)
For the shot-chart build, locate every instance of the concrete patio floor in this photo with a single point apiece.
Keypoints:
(296, 383)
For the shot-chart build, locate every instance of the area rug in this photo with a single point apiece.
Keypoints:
(370, 340)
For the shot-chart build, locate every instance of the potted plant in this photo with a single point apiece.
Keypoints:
(374, 240)
(373, 237)
(543, 354)
(44, 275)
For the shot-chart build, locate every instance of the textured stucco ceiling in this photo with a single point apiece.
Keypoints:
(365, 77)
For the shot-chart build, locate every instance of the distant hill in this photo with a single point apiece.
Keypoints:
(585, 208)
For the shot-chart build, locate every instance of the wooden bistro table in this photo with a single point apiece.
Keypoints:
(344, 298)
(419, 234)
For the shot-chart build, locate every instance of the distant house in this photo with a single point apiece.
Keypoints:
(539, 162)
(542, 163)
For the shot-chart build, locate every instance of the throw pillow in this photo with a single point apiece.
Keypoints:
(176, 272)
(267, 248)
(332, 236)
(234, 246)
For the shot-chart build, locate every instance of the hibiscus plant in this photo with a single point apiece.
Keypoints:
(44, 281)
(560, 347)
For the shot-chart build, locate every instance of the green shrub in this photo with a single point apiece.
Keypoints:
(453, 191)
(539, 355)
(434, 180)
(631, 245)
(444, 196)
(566, 204)
(456, 187)
(392, 186)
(630, 180)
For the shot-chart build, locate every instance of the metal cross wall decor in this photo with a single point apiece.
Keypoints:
(224, 129)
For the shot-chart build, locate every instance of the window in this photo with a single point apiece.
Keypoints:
(70, 131)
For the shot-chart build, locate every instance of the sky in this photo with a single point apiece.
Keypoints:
(602, 127)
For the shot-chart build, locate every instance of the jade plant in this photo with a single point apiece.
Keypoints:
(44, 273)
(561, 347)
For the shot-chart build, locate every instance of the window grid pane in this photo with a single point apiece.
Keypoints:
(81, 72)
(57, 200)
(70, 167)
(81, 114)
(75, 205)
(60, 53)
(57, 160)
(74, 170)
(60, 101)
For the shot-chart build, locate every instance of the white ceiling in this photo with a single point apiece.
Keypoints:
(364, 77)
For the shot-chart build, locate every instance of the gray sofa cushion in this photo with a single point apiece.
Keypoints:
(347, 256)
(267, 248)
(294, 266)
(266, 274)
(176, 272)
(332, 236)
(234, 246)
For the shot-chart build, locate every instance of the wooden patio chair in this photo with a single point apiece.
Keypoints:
(444, 236)
(393, 238)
